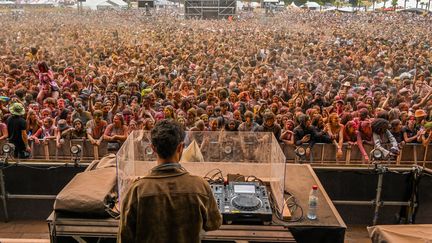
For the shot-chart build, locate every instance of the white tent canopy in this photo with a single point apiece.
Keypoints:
(292, 5)
(104, 4)
(118, 3)
(414, 10)
(400, 3)
(239, 4)
(349, 9)
(94, 4)
(254, 4)
(343, 9)
(311, 5)
(330, 9)
(164, 3)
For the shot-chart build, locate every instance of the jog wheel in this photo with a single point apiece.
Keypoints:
(246, 203)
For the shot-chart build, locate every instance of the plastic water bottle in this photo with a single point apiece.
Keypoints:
(313, 203)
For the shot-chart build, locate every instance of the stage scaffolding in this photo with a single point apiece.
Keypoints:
(210, 9)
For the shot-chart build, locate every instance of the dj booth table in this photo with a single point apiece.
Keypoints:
(328, 227)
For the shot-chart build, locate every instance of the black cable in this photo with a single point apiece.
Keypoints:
(237, 178)
(30, 166)
(292, 206)
(254, 179)
(216, 169)
(39, 168)
(7, 166)
(290, 202)
(399, 172)
(367, 172)
(212, 180)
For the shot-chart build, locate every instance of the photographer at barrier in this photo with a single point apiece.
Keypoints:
(168, 205)
(383, 138)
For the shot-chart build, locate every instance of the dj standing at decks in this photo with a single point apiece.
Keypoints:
(168, 205)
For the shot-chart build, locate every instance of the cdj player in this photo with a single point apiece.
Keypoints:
(244, 202)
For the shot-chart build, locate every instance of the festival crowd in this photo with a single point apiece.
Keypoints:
(307, 77)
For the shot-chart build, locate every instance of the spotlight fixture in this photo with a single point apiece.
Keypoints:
(75, 149)
(149, 150)
(8, 148)
(377, 154)
(228, 149)
(76, 153)
(300, 151)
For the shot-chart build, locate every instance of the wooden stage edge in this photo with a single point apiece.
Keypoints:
(299, 180)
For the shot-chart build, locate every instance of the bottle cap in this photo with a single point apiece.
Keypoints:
(314, 187)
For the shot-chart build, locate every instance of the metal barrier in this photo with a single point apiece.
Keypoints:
(48, 150)
(411, 199)
(411, 153)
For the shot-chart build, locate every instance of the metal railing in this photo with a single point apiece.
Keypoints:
(411, 202)
(411, 153)
(321, 154)
(47, 150)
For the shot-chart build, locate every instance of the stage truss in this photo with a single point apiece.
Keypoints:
(210, 9)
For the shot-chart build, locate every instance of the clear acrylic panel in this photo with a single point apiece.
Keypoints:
(244, 153)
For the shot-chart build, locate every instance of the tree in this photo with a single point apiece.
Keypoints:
(366, 4)
(324, 2)
(300, 2)
(385, 1)
(394, 4)
(353, 2)
(417, 2)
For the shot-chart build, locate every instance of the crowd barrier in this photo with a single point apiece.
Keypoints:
(411, 153)
(48, 151)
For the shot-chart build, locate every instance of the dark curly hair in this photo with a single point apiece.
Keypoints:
(380, 125)
(165, 137)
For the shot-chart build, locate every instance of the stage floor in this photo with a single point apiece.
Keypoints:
(329, 226)
(24, 229)
(37, 231)
(298, 182)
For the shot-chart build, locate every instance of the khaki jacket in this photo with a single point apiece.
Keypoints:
(169, 205)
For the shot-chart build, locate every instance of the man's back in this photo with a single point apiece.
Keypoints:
(169, 205)
(15, 125)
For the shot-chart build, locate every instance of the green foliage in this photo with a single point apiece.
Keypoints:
(300, 2)
(353, 2)
(323, 2)
(394, 3)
